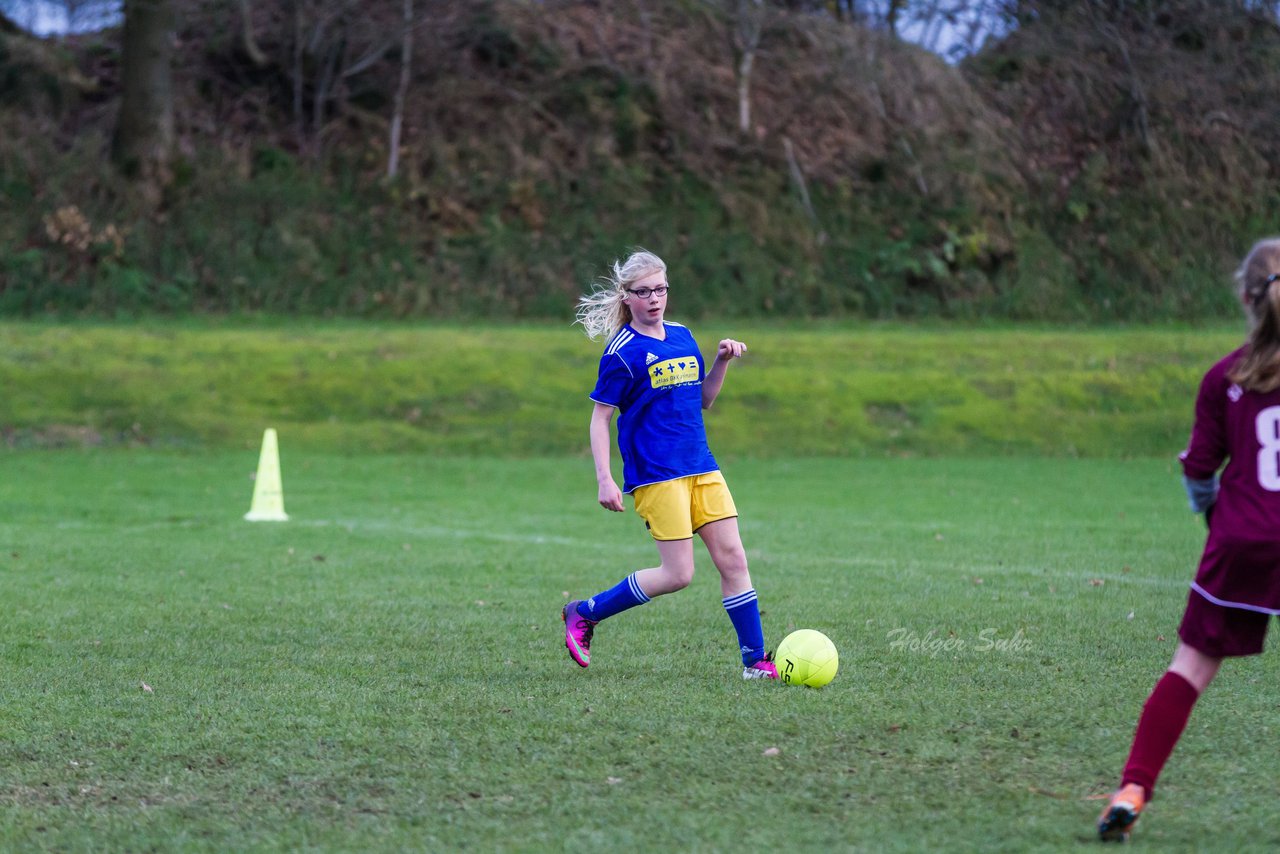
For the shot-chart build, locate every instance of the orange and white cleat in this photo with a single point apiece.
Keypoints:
(1119, 816)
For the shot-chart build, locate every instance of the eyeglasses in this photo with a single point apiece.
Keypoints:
(645, 293)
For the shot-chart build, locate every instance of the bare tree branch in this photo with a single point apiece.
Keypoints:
(247, 39)
(402, 89)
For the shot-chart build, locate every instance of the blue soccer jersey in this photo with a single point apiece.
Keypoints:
(657, 388)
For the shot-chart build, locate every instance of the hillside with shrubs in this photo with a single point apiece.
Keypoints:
(1098, 162)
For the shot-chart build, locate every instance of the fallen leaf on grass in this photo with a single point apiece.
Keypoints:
(1037, 791)
(147, 688)
(1097, 582)
(613, 781)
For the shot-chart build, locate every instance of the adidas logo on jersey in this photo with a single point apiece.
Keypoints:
(649, 359)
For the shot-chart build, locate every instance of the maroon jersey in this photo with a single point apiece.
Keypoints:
(1241, 563)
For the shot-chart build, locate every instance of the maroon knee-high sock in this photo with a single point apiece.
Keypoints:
(1163, 719)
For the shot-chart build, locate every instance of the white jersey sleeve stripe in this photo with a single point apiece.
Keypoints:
(623, 337)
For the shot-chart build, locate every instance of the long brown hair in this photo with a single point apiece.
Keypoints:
(1259, 288)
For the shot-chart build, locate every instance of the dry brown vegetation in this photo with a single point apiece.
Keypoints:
(1090, 156)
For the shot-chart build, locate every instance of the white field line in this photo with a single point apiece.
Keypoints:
(941, 567)
(945, 567)
(777, 558)
(445, 533)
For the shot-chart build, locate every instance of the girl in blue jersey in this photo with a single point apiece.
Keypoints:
(652, 375)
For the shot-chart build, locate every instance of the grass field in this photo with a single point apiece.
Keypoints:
(386, 670)
(803, 390)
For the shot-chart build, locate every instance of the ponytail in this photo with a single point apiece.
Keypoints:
(604, 311)
(1259, 287)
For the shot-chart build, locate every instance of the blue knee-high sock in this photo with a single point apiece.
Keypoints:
(744, 611)
(618, 598)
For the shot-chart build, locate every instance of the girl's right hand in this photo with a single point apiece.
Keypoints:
(610, 496)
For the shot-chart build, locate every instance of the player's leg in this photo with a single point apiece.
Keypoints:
(580, 617)
(1194, 666)
(1164, 717)
(1209, 632)
(724, 544)
(675, 572)
(715, 518)
(665, 509)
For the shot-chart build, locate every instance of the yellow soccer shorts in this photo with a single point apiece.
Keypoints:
(675, 509)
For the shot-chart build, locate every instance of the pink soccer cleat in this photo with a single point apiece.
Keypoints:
(577, 634)
(762, 669)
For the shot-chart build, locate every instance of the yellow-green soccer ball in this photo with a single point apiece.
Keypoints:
(806, 657)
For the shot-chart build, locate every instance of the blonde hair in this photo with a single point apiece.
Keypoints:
(1259, 367)
(604, 311)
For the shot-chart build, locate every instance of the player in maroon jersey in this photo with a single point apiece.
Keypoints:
(1237, 587)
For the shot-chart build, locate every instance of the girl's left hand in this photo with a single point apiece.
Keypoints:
(730, 349)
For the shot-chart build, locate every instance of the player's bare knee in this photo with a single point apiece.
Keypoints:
(732, 564)
(677, 577)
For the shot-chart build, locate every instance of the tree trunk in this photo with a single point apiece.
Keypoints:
(891, 16)
(402, 89)
(745, 65)
(748, 26)
(247, 39)
(143, 142)
(299, 121)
